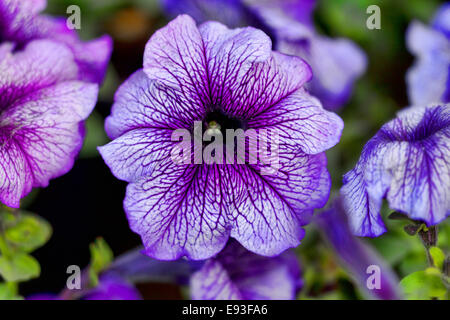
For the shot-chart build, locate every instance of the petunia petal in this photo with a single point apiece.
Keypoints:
(179, 210)
(137, 152)
(237, 274)
(48, 133)
(264, 86)
(301, 121)
(406, 162)
(268, 211)
(142, 103)
(196, 61)
(428, 79)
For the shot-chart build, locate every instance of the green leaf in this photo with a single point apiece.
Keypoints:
(438, 257)
(424, 285)
(101, 255)
(20, 267)
(8, 291)
(26, 232)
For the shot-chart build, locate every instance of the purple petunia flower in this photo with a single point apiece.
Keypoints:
(42, 108)
(21, 22)
(336, 63)
(237, 274)
(407, 162)
(356, 256)
(231, 77)
(110, 287)
(429, 79)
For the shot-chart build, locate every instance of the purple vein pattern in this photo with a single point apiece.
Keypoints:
(42, 108)
(21, 22)
(336, 63)
(408, 163)
(429, 79)
(190, 73)
(237, 274)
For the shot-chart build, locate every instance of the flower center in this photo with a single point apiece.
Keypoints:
(217, 120)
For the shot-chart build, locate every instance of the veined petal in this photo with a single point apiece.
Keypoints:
(196, 61)
(301, 121)
(267, 211)
(408, 163)
(137, 152)
(237, 274)
(15, 178)
(363, 209)
(179, 210)
(41, 64)
(213, 282)
(265, 86)
(48, 132)
(143, 103)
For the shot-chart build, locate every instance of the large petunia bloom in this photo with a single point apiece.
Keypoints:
(42, 108)
(231, 77)
(408, 163)
(336, 63)
(237, 274)
(21, 22)
(429, 79)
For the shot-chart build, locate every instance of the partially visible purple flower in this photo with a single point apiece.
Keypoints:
(356, 256)
(232, 13)
(336, 63)
(113, 288)
(21, 22)
(137, 267)
(408, 163)
(429, 79)
(110, 287)
(210, 73)
(237, 274)
(44, 296)
(42, 108)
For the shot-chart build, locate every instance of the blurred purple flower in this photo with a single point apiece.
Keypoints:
(110, 287)
(231, 76)
(429, 79)
(356, 256)
(113, 288)
(237, 274)
(336, 63)
(42, 108)
(407, 162)
(21, 22)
